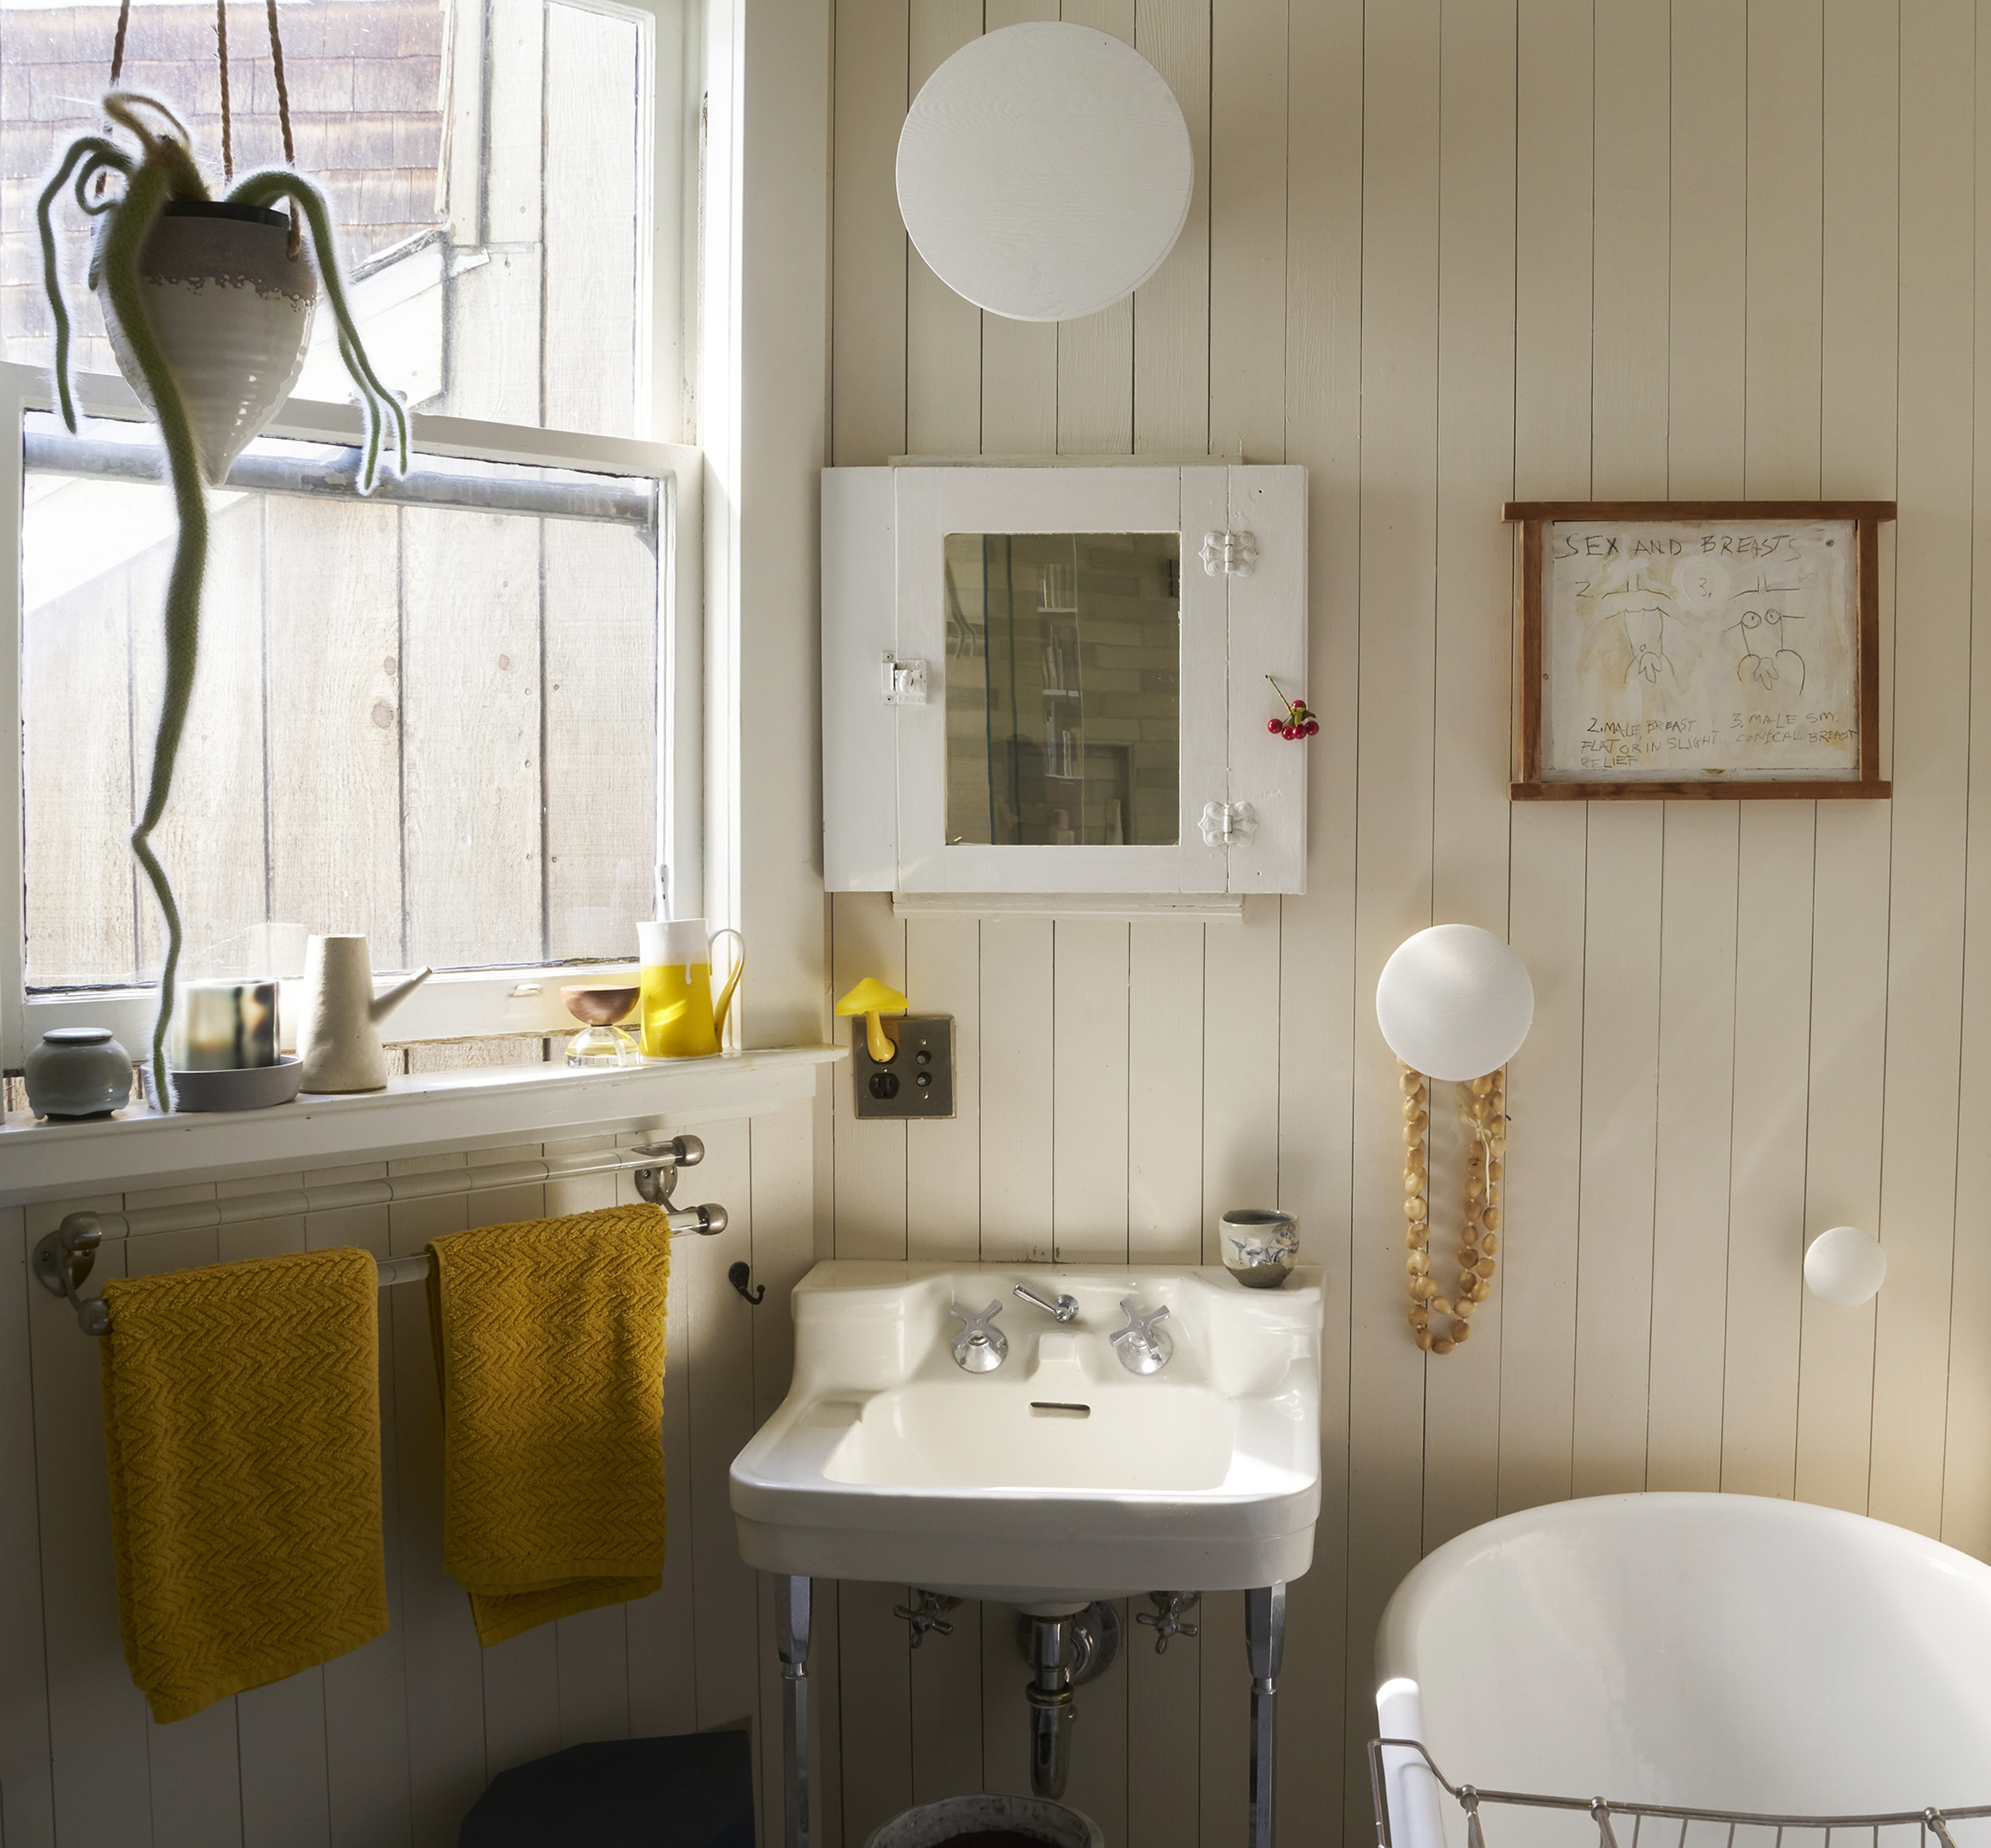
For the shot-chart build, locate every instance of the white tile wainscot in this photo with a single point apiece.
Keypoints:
(419, 1114)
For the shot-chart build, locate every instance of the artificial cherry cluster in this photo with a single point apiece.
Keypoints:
(1299, 721)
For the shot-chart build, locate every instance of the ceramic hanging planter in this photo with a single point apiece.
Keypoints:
(230, 304)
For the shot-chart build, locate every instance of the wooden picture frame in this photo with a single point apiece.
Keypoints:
(1633, 660)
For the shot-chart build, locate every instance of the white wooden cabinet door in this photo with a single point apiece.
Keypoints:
(885, 595)
(1267, 613)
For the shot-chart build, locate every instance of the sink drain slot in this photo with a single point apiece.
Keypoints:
(1059, 1408)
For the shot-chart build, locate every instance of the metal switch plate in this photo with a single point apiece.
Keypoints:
(919, 1082)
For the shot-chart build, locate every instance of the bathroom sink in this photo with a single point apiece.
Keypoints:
(1060, 1474)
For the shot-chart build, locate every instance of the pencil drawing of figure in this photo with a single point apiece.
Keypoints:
(1643, 616)
(1766, 659)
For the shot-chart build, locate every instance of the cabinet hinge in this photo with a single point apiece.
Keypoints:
(1227, 824)
(901, 682)
(1232, 555)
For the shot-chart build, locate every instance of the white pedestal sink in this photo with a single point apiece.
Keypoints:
(1060, 1476)
(1044, 1472)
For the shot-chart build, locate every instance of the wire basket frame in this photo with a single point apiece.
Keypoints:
(1932, 1826)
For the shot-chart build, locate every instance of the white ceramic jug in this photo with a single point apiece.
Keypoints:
(339, 1040)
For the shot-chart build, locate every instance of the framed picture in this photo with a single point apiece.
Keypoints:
(1710, 648)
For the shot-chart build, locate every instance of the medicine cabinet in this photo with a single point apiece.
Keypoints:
(1039, 679)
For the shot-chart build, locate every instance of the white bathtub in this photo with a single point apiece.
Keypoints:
(1707, 1651)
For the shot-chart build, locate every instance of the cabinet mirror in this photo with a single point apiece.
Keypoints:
(1063, 689)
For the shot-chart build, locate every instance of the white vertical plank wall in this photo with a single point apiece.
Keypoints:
(1444, 254)
(390, 1744)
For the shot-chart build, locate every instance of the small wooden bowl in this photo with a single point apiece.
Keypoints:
(599, 1007)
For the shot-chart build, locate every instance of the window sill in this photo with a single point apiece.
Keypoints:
(416, 1115)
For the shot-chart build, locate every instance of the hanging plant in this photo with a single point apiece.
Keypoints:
(209, 306)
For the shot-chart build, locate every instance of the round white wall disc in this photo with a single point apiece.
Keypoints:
(1045, 171)
(1454, 1002)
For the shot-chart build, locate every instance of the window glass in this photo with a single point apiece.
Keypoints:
(1063, 679)
(488, 163)
(435, 723)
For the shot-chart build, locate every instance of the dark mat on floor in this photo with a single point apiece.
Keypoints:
(693, 1791)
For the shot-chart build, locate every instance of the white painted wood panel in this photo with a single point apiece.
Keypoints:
(1528, 248)
(1316, 984)
(1931, 695)
(1396, 724)
(1707, 335)
(1966, 1503)
(1863, 107)
(943, 330)
(391, 1744)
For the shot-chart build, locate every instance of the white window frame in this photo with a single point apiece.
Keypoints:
(481, 1003)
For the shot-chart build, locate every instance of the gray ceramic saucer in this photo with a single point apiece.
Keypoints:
(249, 1087)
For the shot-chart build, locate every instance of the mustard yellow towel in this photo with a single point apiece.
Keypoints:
(549, 1342)
(241, 1421)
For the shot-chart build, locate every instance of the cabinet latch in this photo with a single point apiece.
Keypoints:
(1227, 824)
(1230, 554)
(901, 682)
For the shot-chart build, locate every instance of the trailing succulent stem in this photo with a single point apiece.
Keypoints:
(164, 171)
(144, 197)
(376, 403)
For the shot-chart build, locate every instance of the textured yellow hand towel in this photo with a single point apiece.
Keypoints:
(241, 1421)
(549, 1346)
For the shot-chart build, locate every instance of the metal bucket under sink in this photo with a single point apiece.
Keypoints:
(932, 1825)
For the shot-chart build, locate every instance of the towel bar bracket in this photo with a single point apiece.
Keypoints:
(657, 1183)
(65, 1257)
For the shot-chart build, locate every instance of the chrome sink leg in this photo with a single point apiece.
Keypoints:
(1049, 1692)
(1266, 1641)
(791, 1637)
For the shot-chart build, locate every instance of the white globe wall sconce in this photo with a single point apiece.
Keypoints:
(1454, 1004)
(1845, 1267)
(1045, 171)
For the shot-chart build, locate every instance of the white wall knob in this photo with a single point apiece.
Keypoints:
(1844, 1266)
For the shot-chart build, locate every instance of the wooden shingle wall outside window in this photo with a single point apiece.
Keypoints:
(365, 78)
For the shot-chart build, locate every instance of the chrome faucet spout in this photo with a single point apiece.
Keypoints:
(1064, 1309)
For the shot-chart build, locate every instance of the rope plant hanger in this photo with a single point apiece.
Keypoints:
(174, 268)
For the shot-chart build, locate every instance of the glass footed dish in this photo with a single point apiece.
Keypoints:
(600, 1042)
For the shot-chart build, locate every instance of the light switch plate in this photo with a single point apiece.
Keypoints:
(925, 1052)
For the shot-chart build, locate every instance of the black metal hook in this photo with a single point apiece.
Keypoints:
(738, 1276)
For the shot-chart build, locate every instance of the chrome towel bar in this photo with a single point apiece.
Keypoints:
(63, 1258)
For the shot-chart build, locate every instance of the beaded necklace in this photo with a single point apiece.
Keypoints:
(1483, 1108)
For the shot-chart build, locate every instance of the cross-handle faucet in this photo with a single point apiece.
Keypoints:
(1064, 1309)
(1143, 1345)
(980, 1347)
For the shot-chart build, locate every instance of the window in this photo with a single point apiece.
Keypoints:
(506, 176)
(455, 716)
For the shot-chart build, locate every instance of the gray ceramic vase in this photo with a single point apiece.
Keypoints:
(78, 1071)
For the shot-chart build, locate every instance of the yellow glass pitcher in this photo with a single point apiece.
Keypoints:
(680, 1020)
